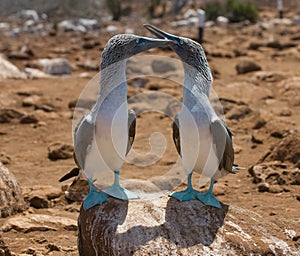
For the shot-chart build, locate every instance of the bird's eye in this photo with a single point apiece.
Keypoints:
(181, 41)
(137, 40)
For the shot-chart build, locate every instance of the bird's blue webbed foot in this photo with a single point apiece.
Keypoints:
(118, 192)
(187, 194)
(208, 198)
(94, 197)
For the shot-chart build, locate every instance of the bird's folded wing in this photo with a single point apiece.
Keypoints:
(83, 137)
(176, 135)
(131, 128)
(222, 138)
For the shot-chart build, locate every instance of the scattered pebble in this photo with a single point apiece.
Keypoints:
(9, 114)
(39, 202)
(246, 66)
(30, 251)
(257, 137)
(285, 112)
(263, 187)
(238, 112)
(259, 124)
(60, 150)
(4, 158)
(30, 101)
(29, 119)
(52, 247)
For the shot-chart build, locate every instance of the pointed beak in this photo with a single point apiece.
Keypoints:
(145, 43)
(161, 34)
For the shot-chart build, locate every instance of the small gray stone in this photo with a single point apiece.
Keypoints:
(246, 66)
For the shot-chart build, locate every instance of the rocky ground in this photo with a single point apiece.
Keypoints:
(256, 78)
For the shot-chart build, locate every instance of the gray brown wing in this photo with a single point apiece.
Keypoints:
(222, 138)
(83, 137)
(131, 128)
(176, 135)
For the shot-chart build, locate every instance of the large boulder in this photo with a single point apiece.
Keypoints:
(11, 199)
(165, 226)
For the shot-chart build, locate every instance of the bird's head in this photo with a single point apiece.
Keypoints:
(190, 52)
(123, 46)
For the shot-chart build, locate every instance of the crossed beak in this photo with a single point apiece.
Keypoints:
(145, 43)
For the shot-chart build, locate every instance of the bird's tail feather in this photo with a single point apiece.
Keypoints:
(73, 173)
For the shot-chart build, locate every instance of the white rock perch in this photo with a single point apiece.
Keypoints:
(167, 227)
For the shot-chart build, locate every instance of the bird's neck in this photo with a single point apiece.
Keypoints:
(196, 92)
(113, 81)
(195, 85)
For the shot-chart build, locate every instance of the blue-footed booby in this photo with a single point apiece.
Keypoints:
(205, 147)
(104, 136)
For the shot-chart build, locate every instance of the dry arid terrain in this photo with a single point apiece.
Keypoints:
(262, 108)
